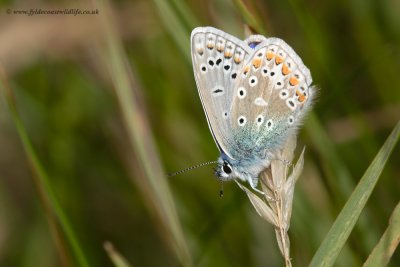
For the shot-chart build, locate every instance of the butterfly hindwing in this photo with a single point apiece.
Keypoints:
(272, 96)
(217, 60)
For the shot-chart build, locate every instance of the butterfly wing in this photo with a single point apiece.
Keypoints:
(217, 58)
(271, 97)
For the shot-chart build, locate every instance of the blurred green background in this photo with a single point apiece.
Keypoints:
(62, 79)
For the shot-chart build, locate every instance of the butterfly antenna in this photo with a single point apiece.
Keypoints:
(191, 168)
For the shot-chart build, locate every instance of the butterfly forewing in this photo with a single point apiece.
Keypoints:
(218, 58)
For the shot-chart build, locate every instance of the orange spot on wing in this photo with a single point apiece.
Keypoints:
(220, 47)
(257, 63)
(269, 55)
(210, 45)
(237, 59)
(246, 69)
(293, 81)
(228, 54)
(301, 97)
(285, 69)
(200, 51)
(278, 60)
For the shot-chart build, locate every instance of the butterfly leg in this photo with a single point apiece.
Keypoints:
(253, 186)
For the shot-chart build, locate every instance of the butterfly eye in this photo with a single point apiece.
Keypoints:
(226, 168)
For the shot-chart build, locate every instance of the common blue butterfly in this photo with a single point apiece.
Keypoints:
(254, 93)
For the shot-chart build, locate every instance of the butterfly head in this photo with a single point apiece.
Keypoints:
(245, 169)
(224, 170)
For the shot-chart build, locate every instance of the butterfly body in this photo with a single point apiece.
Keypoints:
(255, 94)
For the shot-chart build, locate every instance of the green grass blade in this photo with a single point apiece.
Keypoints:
(249, 18)
(339, 178)
(115, 256)
(42, 182)
(188, 18)
(388, 243)
(174, 26)
(335, 239)
(338, 175)
(153, 182)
